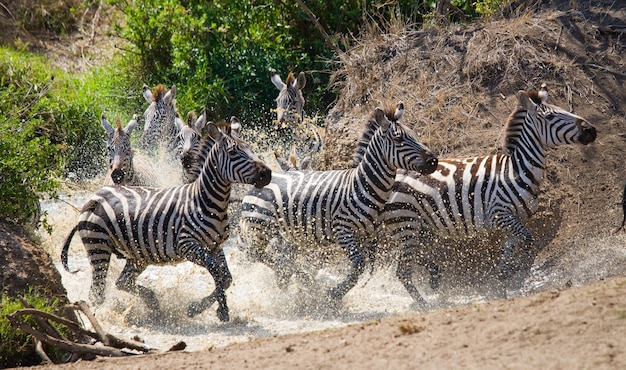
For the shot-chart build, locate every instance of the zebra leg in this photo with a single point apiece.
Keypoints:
(217, 267)
(404, 273)
(266, 245)
(99, 259)
(357, 260)
(519, 238)
(128, 283)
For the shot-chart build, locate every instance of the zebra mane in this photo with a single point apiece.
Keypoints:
(289, 80)
(201, 151)
(366, 135)
(191, 118)
(158, 92)
(515, 123)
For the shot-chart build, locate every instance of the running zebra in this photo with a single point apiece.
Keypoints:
(162, 122)
(124, 167)
(194, 148)
(188, 142)
(491, 194)
(290, 114)
(315, 209)
(149, 226)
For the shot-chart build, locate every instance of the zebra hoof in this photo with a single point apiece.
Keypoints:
(222, 314)
(195, 308)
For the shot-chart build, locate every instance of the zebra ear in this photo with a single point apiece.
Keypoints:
(300, 81)
(235, 127)
(399, 111)
(381, 119)
(131, 125)
(178, 123)
(524, 101)
(214, 131)
(147, 93)
(171, 94)
(107, 126)
(200, 122)
(276, 80)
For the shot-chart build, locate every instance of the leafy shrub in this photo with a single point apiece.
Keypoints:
(50, 128)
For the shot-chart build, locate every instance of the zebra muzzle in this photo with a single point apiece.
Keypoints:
(430, 163)
(587, 134)
(117, 175)
(263, 176)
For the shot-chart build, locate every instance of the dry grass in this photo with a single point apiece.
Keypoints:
(451, 79)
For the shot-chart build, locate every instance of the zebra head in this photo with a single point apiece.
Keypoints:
(290, 101)
(120, 152)
(237, 162)
(189, 136)
(549, 124)
(162, 122)
(399, 144)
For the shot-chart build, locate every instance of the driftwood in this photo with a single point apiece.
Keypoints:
(96, 343)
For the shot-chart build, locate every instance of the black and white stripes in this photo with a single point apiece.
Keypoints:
(491, 193)
(315, 209)
(160, 226)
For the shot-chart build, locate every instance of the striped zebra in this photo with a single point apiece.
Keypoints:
(162, 122)
(188, 143)
(292, 163)
(490, 195)
(290, 114)
(194, 146)
(311, 210)
(148, 226)
(124, 167)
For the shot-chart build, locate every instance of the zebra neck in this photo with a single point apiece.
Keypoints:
(211, 189)
(379, 176)
(528, 162)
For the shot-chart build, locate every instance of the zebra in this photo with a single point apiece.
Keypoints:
(292, 163)
(290, 114)
(148, 226)
(188, 141)
(195, 147)
(162, 121)
(488, 195)
(313, 209)
(124, 167)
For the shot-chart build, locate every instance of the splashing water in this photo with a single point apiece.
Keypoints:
(258, 308)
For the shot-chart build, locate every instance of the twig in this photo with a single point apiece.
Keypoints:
(7, 10)
(558, 39)
(41, 353)
(102, 336)
(312, 16)
(605, 69)
(61, 343)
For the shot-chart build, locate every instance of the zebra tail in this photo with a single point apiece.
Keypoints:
(66, 248)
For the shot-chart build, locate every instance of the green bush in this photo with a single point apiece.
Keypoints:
(16, 347)
(50, 127)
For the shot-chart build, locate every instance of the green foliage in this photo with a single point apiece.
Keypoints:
(50, 127)
(219, 53)
(16, 347)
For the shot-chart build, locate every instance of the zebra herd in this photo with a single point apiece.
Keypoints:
(398, 196)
